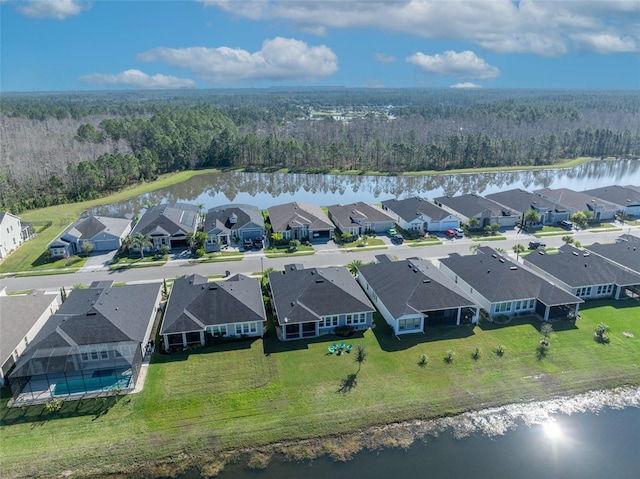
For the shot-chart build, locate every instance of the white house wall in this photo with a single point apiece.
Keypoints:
(10, 234)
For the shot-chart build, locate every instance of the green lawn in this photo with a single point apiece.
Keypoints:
(198, 403)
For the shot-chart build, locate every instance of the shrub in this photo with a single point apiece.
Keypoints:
(448, 357)
(423, 360)
(53, 405)
(500, 351)
(476, 354)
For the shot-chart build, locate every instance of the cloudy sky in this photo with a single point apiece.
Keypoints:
(55, 45)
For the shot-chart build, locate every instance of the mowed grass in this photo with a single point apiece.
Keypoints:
(256, 392)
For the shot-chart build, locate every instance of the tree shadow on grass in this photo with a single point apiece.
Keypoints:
(347, 384)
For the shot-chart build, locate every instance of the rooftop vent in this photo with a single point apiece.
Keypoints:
(488, 271)
(501, 260)
(426, 281)
(575, 253)
(585, 254)
(494, 255)
(213, 286)
(513, 268)
(319, 280)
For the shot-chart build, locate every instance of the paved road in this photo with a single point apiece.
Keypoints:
(326, 255)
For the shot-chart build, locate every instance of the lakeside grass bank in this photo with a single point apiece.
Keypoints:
(199, 405)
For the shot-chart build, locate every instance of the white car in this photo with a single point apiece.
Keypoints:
(459, 232)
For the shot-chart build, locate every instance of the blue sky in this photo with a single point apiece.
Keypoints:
(62, 45)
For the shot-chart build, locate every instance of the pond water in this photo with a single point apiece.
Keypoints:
(603, 443)
(267, 189)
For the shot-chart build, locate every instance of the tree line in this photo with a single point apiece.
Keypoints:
(145, 135)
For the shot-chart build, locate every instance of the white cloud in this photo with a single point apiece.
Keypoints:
(384, 58)
(138, 79)
(465, 85)
(542, 27)
(605, 43)
(279, 59)
(58, 9)
(466, 65)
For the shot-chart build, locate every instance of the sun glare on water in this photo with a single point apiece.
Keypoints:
(552, 430)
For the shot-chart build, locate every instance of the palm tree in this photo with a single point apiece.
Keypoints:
(265, 274)
(531, 216)
(365, 239)
(546, 329)
(474, 223)
(518, 249)
(126, 243)
(568, 239)
(361, 355)
(353, 266)
(141, 241)
(474, 248)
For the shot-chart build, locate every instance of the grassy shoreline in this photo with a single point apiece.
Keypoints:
(206, 406)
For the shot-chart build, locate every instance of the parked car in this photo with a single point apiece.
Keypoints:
(568, 225)
(248, 244)
(397, 238)
(451, 233)
(536, 245)
(258, 243)
(392, 232)
(459, 232)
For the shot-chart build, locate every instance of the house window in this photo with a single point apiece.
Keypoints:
(94, 355)
(356, 318)
(104, 354)
(409, 324)
(584, 291)
(504, 307)
(246, 328)
(518, 305)
(329, 321)
(532, 303)
(218, 330)
(84, 356)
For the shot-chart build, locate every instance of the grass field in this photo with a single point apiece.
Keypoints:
(198, 403)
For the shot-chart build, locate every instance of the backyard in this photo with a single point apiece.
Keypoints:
(198, 403)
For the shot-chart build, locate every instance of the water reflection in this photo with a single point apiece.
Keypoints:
(268, 189)
(552, 429)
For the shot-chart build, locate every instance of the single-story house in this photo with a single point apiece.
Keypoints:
(316, 301)
(586, 275)
(575, 201)
(103, 233)
(486, 211)
(11, 235)
(168, 224)
(413, 294)
(21, 318)
(418, 214)
(625, 198)
(300, 221)
(625, 252)
(235, 222)
(196, 307)
(521, 201)
(95, 343)
(360, 218)
(503, 287)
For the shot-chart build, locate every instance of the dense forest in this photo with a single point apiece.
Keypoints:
(64, 147)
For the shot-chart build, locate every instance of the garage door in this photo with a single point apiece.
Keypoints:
(251, 234)
(105, 245)
(445, 225)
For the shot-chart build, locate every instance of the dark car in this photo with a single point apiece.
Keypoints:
(536, 245)
(397, 238)
(248, 244)
(258, 243)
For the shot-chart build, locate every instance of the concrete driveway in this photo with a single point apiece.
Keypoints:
(98, 261)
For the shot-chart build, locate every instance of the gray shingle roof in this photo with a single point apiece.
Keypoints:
(577, 268)
(624, 253)
(409, 208)
(499, 279)
(303, 295)
(574, 200)
(89, 227)
(521, 201)
(291, 215)
(18, 314)
(413, 285)
(219, 218)
(195, 303)
(619, 195)
(471, 205)
(344, 214)
(171, 218)
(96, 316)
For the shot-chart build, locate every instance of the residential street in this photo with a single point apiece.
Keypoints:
(326, 255)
